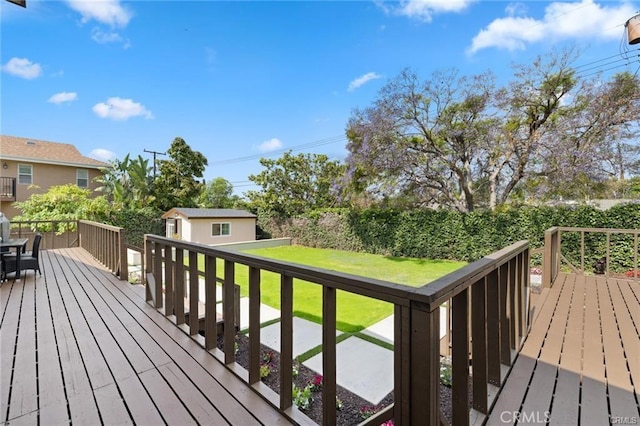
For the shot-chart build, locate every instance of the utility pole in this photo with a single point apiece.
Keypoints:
(155, 153)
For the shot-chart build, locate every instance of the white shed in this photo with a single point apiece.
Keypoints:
(210, 226)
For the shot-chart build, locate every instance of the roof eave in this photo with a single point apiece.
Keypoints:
(53, 162)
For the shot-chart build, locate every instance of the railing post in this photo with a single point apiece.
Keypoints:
(147, 269)
(178, 285)
(418, 365)
(254, 325)
(550, 256)
(460, 358)
(228, 308)
(194, 295)
(210, 317)
(493, 327)
(157, 273)
(479, 345)
(124, 261)
(286, 341)
(505, 336)
(329, 358)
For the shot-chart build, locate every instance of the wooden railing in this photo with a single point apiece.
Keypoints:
(595, 245)
(489, 301)
(55, 233)
(106, 243)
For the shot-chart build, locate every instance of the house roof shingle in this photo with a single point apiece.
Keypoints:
(190, 213)
(39, 151)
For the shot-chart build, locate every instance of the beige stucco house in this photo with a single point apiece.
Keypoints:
(31, 166)
(210, 226)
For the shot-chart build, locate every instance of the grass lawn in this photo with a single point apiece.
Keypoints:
(354, 312)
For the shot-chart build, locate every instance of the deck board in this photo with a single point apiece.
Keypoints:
(580, 359)
(219, 382)
(566, 409)
(8, 333)
(208, 374)
(109, 356)
(22, 401)
(540, 391)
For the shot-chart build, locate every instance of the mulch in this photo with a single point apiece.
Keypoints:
(352, 409)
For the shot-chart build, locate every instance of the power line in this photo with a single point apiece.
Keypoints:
(321, 142)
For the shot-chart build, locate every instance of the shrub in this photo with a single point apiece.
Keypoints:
(302, 397)
(265, 370)
(445, 371)
(448, 234)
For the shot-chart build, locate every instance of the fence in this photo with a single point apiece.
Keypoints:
(603, 250)
(106, 244)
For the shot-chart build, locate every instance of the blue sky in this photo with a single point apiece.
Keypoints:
(245, 79)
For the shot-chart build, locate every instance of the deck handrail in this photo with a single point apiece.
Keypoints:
(489, 305)
(55, 233)
(107, 244)
(554, 257)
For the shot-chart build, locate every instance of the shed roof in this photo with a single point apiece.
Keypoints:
(191, 213)
(39, 151)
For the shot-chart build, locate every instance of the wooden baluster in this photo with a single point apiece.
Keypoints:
(210, 317)
(286, 341)
(460, 358)
(479, 347)
(329, 358)
(254, 325)
(194, 294)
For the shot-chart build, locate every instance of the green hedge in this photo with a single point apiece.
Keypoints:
(445, 234)
(136, 223)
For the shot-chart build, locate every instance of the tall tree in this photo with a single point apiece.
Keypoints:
(423, 138)
(218, 194)
(531, 107)
(127, 183)
(595, 142)
(293, 184)
(460, 142)
(177, 184)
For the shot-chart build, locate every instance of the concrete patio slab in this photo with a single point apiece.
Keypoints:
(306, 335)
(363, 368)
(383, 330)
(267, 313)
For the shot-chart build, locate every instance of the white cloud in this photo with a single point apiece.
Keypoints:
(103, 37)
(22, 67)
(109, 12)
(562, 20)
(62, 97)
(102, 154)
(425, 9)
(270, 145)
(362, 80)
(121, 109)
(516, 9)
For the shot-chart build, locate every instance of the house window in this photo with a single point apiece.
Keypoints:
(171, 227)
(82, 178)
(219, 229)
(25, 174)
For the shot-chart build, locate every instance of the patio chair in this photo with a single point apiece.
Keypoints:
(27, 261)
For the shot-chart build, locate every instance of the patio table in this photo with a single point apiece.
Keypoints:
(18, 244)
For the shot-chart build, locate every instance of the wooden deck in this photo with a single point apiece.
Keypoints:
(580, 363)
(80, 346)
